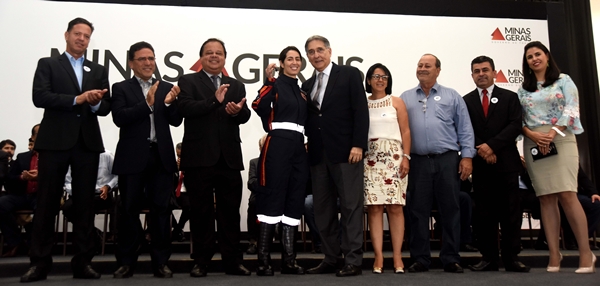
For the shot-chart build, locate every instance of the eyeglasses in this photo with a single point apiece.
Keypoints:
(319, 51)
(150, 59)
(382, 77)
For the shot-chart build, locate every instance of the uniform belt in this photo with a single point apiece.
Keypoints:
(287, 126)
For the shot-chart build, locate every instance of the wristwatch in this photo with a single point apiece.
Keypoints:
(407, 156)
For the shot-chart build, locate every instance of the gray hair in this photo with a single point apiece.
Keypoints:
(316, 38)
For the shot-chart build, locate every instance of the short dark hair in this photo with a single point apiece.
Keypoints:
(178, 146)
(388, 89)
(283, 53)
(438, 63)
(33, 129)
(316, 38)
(213, 40)
(552, 71)
(136, 47)
(483, 59)
(79, 21)
(7, 142)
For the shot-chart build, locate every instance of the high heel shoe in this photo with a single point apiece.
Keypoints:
(586, 270)
(377, 270)
(555, 269)
(399, 270)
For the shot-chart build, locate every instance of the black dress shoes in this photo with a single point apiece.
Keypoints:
(516, 266)
(322, 268)
(87, 272)
(484, 266)
(198, 271)
(238, 270)
(163, 271)
(349, 270)
(124, 271)
(417, 267)
(467, 247)
(35, 273)
(453, 268)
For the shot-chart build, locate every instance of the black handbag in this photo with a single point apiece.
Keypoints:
(537, 155)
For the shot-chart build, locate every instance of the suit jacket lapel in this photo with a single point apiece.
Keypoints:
(335, 72)
(135, 86)
(492, 105)
(208, 81)
(474, 98)
(64, 61)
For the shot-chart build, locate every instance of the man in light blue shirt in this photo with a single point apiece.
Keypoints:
(441, 156)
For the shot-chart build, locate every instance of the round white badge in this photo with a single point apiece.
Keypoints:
(494, 100)
(534, 151)
(437, 98)
(86, 68)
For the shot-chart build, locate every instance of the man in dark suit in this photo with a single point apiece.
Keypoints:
(337, 128)
(73, 92)
(144, 108)
(21, 185)
(214, 106)
(496, 118)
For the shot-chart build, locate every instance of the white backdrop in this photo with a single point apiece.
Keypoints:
(30, 29)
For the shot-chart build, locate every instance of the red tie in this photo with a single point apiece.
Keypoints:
(485, 102)
(178, 190)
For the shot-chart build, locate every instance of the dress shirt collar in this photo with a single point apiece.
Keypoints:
(435, 87)
(220, 75)
(490, 89)
(143, 82)
(72, 58)
(327, 70)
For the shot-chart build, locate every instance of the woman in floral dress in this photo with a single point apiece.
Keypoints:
(551, 120)
(386, 164)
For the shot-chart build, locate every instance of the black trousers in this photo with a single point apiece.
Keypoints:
(497, 200)
(155, 186)
(282, 176)
(343, 180)
(434, 177)
(209, 186)
(52, 168)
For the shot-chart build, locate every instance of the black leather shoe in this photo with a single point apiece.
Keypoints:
(238, 270)
(453, 268)
(87, 272)
(468, 248)
(349, 270)
(322, 268)
(35, 273)
(198, 271)
(484, 266)
(124, 271)
(417, 267)
(251, 249)
(163, 271)
(516, 266)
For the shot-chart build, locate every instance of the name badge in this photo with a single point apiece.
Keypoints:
(437, 98)
(494, 100)
(87, 69)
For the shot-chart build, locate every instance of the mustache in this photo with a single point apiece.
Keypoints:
(423, 72)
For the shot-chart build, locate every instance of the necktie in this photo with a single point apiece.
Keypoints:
(215, 80)
(178, 190)
(485, 102)
(317, 95)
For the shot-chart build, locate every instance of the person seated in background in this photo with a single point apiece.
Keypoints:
(21, 186)
(251, 222)
(182, 200)
(103, 199)
(3, 168)
(587, 194)
(9, 147)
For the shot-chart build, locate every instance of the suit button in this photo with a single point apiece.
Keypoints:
(78, 115)
(320, 114)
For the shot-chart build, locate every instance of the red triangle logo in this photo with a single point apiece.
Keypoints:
(198, 67)
(500, 77)
(497, 35)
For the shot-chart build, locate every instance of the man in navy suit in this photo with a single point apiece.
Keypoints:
(337, 128)
(73, 92)
(144, 108)
(496, 118)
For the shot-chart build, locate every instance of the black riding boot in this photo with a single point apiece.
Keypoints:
(288, 255)
(265, 238)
